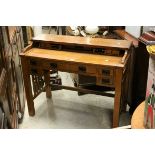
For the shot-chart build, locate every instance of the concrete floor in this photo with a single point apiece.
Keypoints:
(67, 110)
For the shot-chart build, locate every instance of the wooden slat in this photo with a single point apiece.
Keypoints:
(83, 41)
(83, 90)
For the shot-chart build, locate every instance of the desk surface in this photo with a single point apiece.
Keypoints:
(138, 117)
(84, 41)
(74, 57)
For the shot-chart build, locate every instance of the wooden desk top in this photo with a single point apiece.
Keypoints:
(138, 117)
(74, 57)
(84, 41)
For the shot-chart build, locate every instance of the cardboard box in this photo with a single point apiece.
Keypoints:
(149, 112)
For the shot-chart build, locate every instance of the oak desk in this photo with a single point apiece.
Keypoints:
(50, 52)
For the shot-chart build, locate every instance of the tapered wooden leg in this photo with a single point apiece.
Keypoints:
(27, 84)
(47, 83)
(117, 100)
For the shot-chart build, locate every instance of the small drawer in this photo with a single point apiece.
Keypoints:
(82, 69)
(105, 81)
(91, 70)
(105, 71)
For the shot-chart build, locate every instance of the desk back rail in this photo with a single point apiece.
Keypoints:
(83, 41)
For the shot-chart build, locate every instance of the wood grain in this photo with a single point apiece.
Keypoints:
(117, 101)
(84, 41)
(28, 88)
(75, 57)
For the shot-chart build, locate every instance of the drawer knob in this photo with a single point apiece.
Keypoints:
(82, 69)
(53, 65)
(105, 71)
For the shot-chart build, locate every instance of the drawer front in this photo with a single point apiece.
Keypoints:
(105, 81)
(60, 66)
(70, 67)
(82, 69)
(91, 69)
(63, 67)
(106, 71)
(35, 67)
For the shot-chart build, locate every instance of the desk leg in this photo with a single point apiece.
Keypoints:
(117, 100)
(47, 83)
(27, 84)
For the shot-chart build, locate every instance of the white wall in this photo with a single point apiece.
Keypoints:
(37, 30)
(134, 30)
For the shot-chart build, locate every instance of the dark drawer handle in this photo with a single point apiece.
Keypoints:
(105, 81)
(32, 62)
(105, 71)
(53, 65)
(82, 69)
(34, 71)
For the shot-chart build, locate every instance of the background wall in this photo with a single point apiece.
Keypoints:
(134, 30)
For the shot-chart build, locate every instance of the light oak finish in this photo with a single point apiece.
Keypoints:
(28, 88)
(83, 41)
(108, 70)
(118, 90)
(47, 82)
(74, 57)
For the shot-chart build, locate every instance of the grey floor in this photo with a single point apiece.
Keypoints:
(67, 110)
